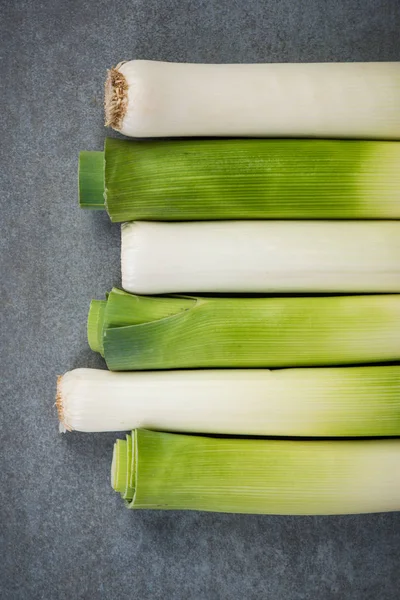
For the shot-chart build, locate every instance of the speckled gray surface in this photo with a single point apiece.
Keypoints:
(64, 533)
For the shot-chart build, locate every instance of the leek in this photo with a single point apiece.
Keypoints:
(324, 402)
(141, 332)
(171, 471)
(242, 179)
(328, 100)
(261, 257)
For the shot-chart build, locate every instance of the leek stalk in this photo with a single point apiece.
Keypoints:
(261, 257)
(141, 332)
(326, 100)
(324, 402)
(183, 472)
(194, 180)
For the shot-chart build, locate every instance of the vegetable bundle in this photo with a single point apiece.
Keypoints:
(242, 179)
(249, 216)
(169, 471)
(142, 332)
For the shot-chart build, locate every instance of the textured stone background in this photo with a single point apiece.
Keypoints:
(64, 533)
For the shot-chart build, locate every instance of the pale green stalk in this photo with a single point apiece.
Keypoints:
(144, 332)
(180, 472)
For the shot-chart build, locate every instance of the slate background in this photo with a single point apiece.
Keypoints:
(64, 533)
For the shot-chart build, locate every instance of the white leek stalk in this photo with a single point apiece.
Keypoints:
(261, 257)
(331, 100)
(356, 401)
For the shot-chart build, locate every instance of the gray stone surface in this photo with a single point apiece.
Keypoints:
(64, 533)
